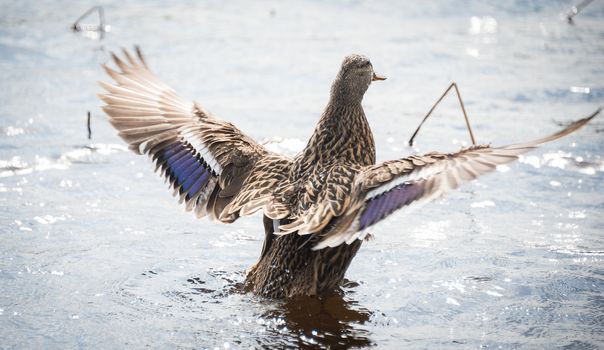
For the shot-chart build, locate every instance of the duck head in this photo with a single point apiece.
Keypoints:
(355, 76)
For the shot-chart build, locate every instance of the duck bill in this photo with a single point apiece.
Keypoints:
(377, 77)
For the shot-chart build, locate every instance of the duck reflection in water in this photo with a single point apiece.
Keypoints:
(334, 321)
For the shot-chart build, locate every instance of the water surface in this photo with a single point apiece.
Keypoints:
(95, 253)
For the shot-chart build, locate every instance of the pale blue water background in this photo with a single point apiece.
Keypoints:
(95, 253)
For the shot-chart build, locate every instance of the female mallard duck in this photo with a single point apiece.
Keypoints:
(317, 205)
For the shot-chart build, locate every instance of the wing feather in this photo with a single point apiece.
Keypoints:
(206, 160)
(407, 183)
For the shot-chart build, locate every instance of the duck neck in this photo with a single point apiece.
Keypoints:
(342, 135)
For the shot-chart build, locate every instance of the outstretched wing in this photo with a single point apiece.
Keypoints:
(404, 183)
(206, 160)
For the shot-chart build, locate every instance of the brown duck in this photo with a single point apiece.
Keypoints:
(318, 205)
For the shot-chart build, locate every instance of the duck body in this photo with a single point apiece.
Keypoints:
(341, 145)
(289, 267)
(317, 206)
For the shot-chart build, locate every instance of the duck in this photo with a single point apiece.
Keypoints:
(318, 206)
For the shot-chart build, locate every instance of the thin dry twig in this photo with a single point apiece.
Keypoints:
(576, 9)
(100, 28)
(463, 109)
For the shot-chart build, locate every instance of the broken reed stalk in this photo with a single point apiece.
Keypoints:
(101, 28)
(463, 109)
(576, 9)
(88, 125)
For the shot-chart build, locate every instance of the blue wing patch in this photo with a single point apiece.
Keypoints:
(382, 205)
(185, 168)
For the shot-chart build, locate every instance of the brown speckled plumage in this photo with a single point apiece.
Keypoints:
(318, 205)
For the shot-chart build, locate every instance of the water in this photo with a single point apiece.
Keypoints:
(95, 253)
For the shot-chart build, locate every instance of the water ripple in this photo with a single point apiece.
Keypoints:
(89, 154)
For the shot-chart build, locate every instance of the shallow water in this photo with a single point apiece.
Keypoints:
(95, 253)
